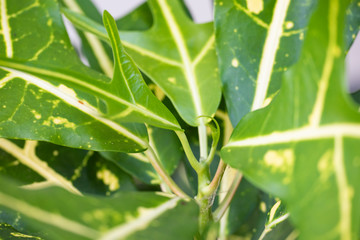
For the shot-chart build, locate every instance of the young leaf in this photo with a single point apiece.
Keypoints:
(302, 147)
(132, 87)
(188, 64)
(256, 42)
(130, 215)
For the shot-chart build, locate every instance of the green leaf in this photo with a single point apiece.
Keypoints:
(356, 96)
(353, 22)
(185, 54)
(139, 19)
(97, 52)
(9, 233)
(132, 87)
(302, 147)
(66, 101)
(127, 216)
(40, 164)
(167, 147)
(256, 42)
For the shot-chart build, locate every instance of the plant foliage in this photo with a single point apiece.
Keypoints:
(136, 143)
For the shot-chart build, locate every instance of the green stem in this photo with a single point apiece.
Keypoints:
(203, 141)
(204, 200)
(188, 152)
(211, 188)
(163, 174)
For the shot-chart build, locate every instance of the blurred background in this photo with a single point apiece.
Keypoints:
(202, 11)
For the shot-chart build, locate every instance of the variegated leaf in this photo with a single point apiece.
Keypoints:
(183, 50)
(302, 147)
(131, 215)
(39, 164)
(257, 40)
(8, 232)
(353, 22)
(42, 79)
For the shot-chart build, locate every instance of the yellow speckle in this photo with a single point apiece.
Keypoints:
(89, 146)
(4, 106)
(55, 153)
(109, 179)
(91, 138)
(280, 159)
(353, 36)
(236, 88)
(59, 121)
(301, 36)
(68, 91)
(235, 63)
(255, 6)
(36, 114)
(172, 80)
(358, 4)
(49, 22)
(235, 30)
(289, 25)
(262, 206)
(221, 3)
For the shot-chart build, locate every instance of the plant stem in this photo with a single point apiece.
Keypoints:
(204, 200)
(219, 212)
(211, 188)
(163, 174)
(203, 140)
(187, 149)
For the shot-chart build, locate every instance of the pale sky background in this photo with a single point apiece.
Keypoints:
(202, 11)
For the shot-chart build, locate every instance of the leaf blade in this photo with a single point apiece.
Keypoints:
(301, 150)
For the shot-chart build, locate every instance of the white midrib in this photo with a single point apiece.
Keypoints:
(345, 191)
(98, 49)
(76, 104)
(123, 231)
(46, 217)
(301, 134)
(271, 46)
(187, 64)
(42, 83)
(27, 157)
(6, 30)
